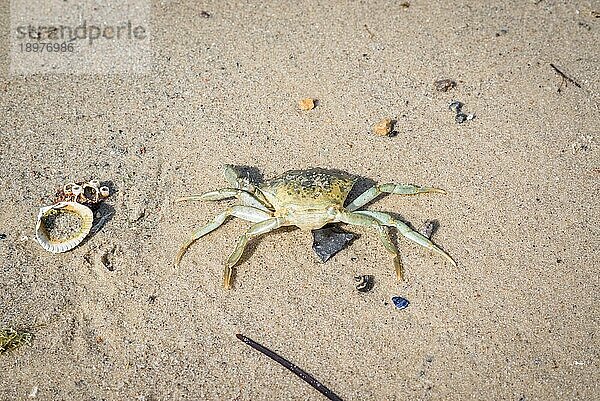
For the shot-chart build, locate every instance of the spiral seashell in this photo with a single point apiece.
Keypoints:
(58, 245)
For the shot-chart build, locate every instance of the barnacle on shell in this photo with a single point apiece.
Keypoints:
(61, 227)
(104, 192)
(76, 190)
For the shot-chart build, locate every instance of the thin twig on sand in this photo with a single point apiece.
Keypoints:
(290, 366)
(565, 77)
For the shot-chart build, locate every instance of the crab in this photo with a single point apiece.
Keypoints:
(308, 199)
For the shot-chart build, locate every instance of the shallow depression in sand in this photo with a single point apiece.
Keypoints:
(62, 225)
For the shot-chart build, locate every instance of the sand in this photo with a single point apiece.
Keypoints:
(516, 320)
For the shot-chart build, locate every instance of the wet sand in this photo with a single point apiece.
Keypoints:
(516, 320)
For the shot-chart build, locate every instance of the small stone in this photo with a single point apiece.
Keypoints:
(383, 127)
(2, 236)
(428, 228)
(400, 303)
(461, 118)
(455, 106)
(306, 104)
(330, 240)
(444, 85)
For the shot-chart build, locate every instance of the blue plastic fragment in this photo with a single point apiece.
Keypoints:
(400, 303)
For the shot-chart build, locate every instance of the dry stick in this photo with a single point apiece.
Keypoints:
(295, 369)
(565, 76)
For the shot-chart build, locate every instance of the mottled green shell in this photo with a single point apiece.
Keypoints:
(308, 188)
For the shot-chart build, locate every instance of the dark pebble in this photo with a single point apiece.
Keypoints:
(330, 240)
(400, 303)
(2, 236)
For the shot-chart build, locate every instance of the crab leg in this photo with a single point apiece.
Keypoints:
(406, 231)
(243, 212)
(398, 189)
(368, 221)
(247, 198)
(255, 230)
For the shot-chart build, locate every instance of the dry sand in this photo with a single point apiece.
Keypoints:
(517, 320)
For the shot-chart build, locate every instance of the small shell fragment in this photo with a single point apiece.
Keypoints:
(400, 303)
(306, 104)
(383, 127)
(365, 282)
(58, 236)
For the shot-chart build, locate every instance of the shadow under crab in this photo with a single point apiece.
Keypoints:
(308, 199)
